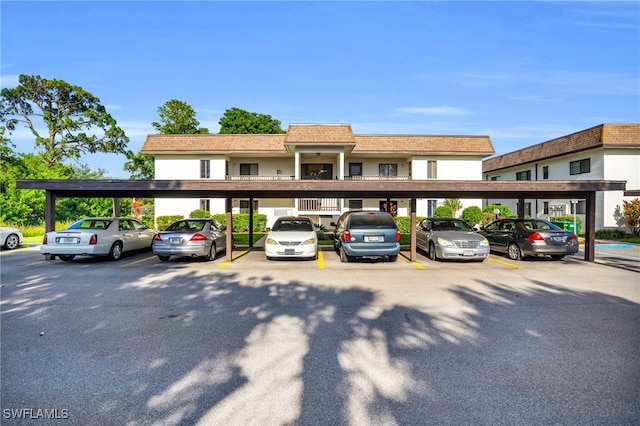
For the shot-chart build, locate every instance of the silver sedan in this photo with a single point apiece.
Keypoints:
(190, 237)
(448, 238)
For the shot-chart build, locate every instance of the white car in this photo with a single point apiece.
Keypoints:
(291, 237)
(10, 238)
(98, 236)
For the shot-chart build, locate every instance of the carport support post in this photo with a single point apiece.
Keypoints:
(590, 227)
(49, 216)
(521, 208)
(229, 211)
(116, 207)
(412, 207)
(250, 222)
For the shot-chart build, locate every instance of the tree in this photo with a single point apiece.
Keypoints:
(472, 215)
(178, 118)
(631, 212)
(238, 121)
(454, 204)
(442, 211)
(140, 166)
(69, 114)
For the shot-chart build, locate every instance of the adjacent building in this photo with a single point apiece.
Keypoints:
(603, 152)
(319, 152)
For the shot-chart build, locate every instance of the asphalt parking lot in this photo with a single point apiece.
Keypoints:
(251, 341)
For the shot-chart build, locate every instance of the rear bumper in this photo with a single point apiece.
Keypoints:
(364, 250)
(75, 249)
(191, 249)
(534, 249)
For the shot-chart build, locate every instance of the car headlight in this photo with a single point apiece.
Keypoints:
(444, 242)
(309, 241)
(484, 243)
(272, 242)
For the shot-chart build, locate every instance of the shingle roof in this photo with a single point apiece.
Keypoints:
(318, 134)
(612, 135)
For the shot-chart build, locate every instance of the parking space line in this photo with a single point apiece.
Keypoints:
(502, 262)
(137, 261)
(416, 264)
(320, 260)
(227, 263)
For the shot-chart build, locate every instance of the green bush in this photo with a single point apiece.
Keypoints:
(164, 221)
(241, 221)
(200, 214)
(504, 210)
(472, 215)
(566, 219)
(610, 234)
(443, 211)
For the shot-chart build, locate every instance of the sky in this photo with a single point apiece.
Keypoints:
(519, 72)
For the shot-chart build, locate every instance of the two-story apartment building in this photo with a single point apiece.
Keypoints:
(319, 152)
(603, 152)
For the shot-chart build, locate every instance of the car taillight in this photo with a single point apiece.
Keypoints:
(44, 240)
(93, 239)
(535, 237)
(398, 235)
(347, 235)
(157, 238)
(573, 237)
(198, 237)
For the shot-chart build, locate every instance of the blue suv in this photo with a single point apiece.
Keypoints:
(366, 234)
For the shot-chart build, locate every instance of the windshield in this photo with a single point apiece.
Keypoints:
(450, 225)
(294, 225)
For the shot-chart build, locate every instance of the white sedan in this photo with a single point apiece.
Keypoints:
(10, 238)
(98, 236)
(291, 237)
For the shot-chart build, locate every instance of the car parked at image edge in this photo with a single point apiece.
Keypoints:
(530, 237)
(366, 234)
(10, 238)
(449, 238)
(98, 236)
(190, 237)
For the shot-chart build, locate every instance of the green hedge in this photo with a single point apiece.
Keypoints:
(241, 221)
(164, 221)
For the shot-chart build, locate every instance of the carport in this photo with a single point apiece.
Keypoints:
(411, 189)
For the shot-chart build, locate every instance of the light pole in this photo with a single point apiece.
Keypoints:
(496, 212)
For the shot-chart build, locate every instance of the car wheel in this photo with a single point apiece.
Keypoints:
(344, 258)
(164, 258)
(11, 242)
(269, 258)
(116, 251)
(557, 256)
(432, 252)
(212, 252)
(67, 258)
(393, 258)
(514, 252)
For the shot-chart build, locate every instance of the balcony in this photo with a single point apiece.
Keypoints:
(376, 177)
(258, 177)
(313, 177)
(319, 205)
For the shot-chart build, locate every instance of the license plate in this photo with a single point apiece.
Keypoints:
(557, 239)
(175, 240)
(373, 238)
(67, 240)
(289, 252)
(467, 253)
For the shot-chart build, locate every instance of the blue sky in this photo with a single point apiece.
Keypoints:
(519, 72)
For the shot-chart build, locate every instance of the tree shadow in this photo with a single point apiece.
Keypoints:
(187, 347)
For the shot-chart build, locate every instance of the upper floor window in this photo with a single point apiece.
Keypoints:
(388, 169)
(432, 169)
(545, 172)
(526, 175)
(355, 169)
(580, 166)
(205, 169)
(248, 169)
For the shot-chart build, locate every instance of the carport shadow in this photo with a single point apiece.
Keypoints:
(212, 349)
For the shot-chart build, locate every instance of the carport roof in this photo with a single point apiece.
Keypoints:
(204, 188)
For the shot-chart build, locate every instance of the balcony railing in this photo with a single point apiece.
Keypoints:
(319, 204)
(281, 177)
(259, 177)
(376, 177)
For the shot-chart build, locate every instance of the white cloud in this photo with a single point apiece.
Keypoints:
(9, 80)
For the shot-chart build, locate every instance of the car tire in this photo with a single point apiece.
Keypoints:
(344, 258)
(212, 252)
(393, 258)
(164, 258)
(432, 252)
(116, 251)
(67, 257)
(514, 252)
(557, 256)
(11, 242)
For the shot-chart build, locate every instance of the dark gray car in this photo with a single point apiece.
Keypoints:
(366, 234)
(530, 237)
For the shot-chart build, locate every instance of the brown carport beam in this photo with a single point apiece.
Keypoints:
(382, 189)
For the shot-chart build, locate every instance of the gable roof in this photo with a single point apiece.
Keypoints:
(318, 135)
(603, 135)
